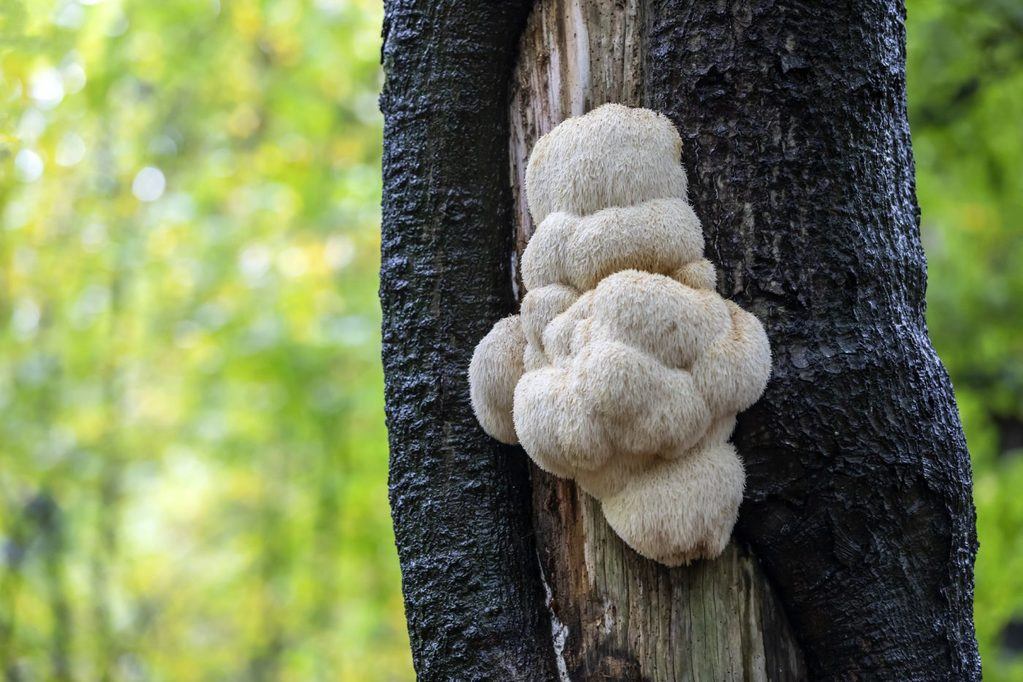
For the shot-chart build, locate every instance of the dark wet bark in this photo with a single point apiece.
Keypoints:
(797, 144)
(460, 501)
(859, 492)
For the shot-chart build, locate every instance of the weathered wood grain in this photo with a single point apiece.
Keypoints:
(615, 614)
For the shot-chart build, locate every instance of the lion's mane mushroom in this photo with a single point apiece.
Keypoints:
(624, 369)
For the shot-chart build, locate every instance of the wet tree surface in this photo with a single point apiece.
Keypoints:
(858, 496)
(858, 502)
(460, 501)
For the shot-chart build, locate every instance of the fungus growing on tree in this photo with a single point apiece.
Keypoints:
(624, 369)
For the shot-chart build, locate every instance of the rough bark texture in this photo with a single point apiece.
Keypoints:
(858, 499)
(617, 615)
(793, 117)
(460, 502)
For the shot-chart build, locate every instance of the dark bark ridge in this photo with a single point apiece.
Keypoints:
(859, 495)
(474, 598)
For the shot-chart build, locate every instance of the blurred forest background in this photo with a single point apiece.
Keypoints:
(192, 450)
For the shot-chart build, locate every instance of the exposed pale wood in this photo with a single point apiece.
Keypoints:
(617, 615)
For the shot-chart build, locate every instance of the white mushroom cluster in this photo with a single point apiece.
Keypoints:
(624, 369)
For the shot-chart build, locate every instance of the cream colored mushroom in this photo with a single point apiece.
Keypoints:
(624, 369)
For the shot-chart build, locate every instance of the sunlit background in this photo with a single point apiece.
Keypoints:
(192, 451)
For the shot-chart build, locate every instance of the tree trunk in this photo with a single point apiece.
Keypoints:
(858, 494)
(858, 499)
(460, 501)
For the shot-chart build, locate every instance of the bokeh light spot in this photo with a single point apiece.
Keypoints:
(29, 165)
(149, 184)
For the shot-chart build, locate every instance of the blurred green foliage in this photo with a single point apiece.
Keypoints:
(193, 478)
(965, 83)
(192, 452)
